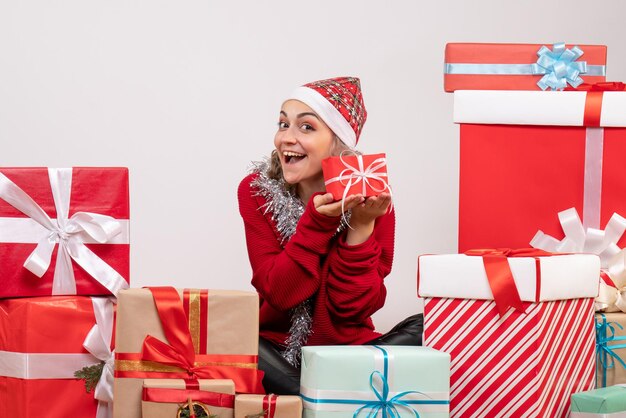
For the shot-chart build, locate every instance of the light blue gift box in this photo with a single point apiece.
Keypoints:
(375, 381)
(608, 402)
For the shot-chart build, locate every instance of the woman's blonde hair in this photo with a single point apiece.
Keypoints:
(276, 171)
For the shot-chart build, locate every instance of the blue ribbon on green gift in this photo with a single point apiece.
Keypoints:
(605, 334)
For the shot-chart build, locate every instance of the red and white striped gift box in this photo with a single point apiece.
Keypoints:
(521, 364)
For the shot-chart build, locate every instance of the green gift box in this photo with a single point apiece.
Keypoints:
(608, 402)
(338, 381)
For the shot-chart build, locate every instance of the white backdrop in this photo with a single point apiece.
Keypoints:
(186, 93)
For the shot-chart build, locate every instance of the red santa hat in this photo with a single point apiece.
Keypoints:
(339, 103)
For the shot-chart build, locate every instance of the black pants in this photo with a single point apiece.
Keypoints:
(282, 378)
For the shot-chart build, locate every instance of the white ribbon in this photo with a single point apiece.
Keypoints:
(68, 233)
(593, 241)
(594, 145)
(98, 343)
(613, 299)
(352, 176)
(43, 365)
(579, 240)
(64, 365)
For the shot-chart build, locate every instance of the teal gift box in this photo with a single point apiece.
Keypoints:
(363, 381)
(608, 402)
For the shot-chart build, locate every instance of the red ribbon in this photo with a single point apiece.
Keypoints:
(500, 277)
(269, 405)
(180, 352)
(593, 101)
(166, 395)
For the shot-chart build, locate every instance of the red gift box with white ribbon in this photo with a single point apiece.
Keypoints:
(349, 174)
(44, 341)
(526, 156)
(63, 231)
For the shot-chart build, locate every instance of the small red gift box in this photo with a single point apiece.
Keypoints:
(478, 66)
(527, 156)
(355, 174)
(42, 345)
(67, 226)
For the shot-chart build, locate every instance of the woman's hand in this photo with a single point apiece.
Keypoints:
(324, 204)
(363, 217)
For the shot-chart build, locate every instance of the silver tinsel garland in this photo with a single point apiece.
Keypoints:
(286, 210)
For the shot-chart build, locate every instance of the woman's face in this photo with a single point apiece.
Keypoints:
(302, 141)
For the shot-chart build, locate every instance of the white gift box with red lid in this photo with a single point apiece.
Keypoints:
(520, 363)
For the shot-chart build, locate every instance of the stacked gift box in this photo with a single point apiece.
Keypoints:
(64, 249)
(204, 342)
(532, 163)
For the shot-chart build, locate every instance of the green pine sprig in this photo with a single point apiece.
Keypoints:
(91, 375)
(183, 412)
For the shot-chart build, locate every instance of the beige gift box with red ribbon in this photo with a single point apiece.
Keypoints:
(190, 334)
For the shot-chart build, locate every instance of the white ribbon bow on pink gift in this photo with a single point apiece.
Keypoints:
(69, 233)
(352, 176)
(593, 241)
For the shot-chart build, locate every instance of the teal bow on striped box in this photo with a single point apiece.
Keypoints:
(375, 381)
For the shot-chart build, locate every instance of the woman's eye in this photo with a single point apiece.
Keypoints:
(307, 127)
(282, 125)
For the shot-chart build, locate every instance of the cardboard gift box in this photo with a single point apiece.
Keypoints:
(511, 362)
(482, 66)
(43, 342)
(268, 406)
(184, 334)
(398, 381)
(163, 398)
(528, 156)
(356, 174)
(611, 349)
(609, 402)
(63, 231)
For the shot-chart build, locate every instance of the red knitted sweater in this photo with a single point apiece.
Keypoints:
(347, 282)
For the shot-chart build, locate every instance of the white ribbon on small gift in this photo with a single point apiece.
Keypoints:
(593, 241)
(98, 343)
(63, 365)
(70, 233)
(352, 176)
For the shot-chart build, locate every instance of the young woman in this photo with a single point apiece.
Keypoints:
(319, 281)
